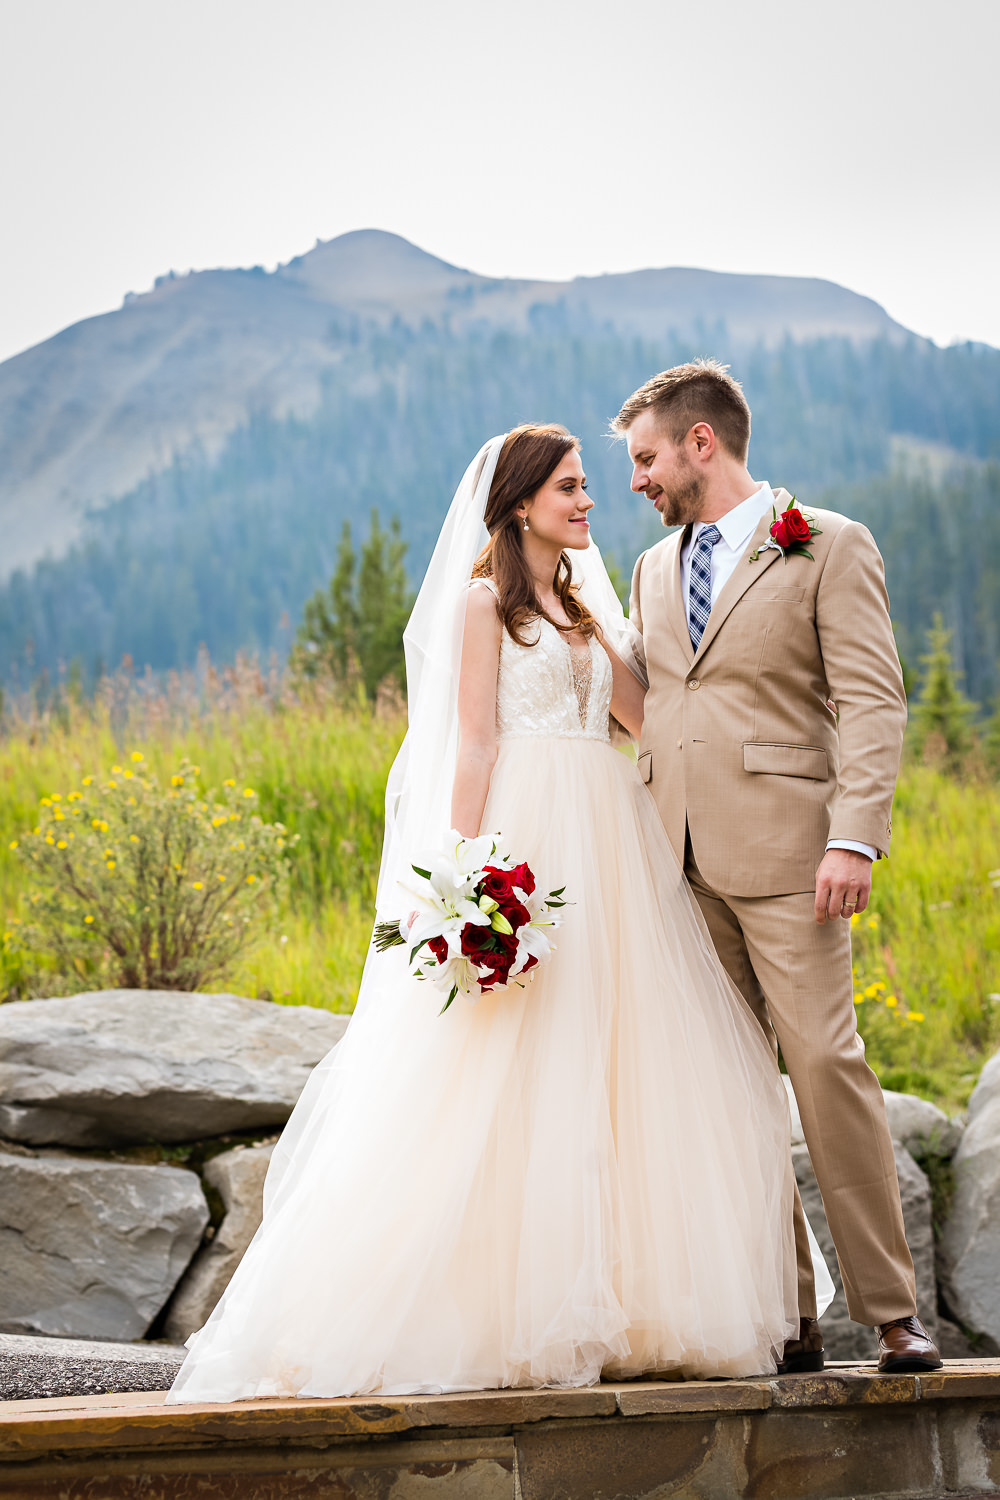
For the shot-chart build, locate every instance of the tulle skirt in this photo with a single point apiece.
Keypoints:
(586, 1177)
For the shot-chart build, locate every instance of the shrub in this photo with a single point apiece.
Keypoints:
(153, 887)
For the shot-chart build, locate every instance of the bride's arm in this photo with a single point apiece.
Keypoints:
(628, 695)
(477, 712)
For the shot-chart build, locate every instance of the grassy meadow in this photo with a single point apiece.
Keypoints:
(927, 952)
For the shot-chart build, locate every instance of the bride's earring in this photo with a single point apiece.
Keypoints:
(526, 526)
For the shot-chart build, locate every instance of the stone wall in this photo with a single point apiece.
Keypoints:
(103, 1236)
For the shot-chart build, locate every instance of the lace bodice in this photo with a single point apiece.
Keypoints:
(553, 688)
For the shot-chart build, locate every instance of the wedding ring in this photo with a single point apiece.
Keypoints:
(850, 905)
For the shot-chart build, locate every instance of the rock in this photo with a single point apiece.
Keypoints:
(34, 1368)
(920, 1126)
(238, 1177)
(92, 1249)
(129, 1066)
(970, 1242)
(915, 1123)
(843, 1338)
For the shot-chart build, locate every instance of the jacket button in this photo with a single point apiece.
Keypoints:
(694, 683)
(680, 744)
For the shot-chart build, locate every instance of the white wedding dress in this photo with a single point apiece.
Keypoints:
(588, 1176)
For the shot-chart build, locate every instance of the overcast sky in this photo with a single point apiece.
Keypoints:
(855, 141)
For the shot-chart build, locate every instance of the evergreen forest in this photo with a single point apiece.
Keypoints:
(224, 550)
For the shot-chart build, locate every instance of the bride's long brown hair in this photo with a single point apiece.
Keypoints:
(530, 454)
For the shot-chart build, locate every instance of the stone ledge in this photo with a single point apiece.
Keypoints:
(846, 1433)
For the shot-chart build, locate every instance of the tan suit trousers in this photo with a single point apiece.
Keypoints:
(797, 978)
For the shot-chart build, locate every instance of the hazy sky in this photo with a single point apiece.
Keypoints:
(855, 141)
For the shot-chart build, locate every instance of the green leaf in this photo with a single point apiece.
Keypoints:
(454, 992)
(426, 874)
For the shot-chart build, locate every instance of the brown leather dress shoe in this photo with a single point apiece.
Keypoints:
(905, 1348)
(804, 1355)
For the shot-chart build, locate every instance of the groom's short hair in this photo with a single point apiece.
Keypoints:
(702, 391)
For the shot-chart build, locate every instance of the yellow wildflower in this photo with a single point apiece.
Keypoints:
(59, 817)
(57, 796)
(221, 877)
(859, 999)
(13, 843)
(111, 785)
(128, 775)
(111, 864)
(177, 781)
(229, 782)
(248, 791)
(109, 854)
(62, 844)
(251, 879)
(103, 826)
(196, 770)
(218, 822)
(197, 885)
(86, 781)
(95, 822)
(133, 838)
(891, 1001)
(49, 839)
(46, 802)
(116, 770)
(137, 755)
(88, 919)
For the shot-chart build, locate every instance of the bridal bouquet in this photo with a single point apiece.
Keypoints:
(477, 921)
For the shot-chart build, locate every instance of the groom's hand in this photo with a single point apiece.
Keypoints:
(843, 884)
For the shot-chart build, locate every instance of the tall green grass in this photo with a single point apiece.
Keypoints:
(927, 952)
(317, 762)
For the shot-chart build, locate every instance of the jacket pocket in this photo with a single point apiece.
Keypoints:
(763, 757)
(645, 765)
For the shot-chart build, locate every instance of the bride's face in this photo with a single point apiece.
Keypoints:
(557, 513)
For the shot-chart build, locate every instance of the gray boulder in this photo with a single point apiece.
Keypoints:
(913, 1122)
(920, 1126)
(92, 1249)
(970, 1243)
(238, 1177)
(129, 1066)
(843, 1338)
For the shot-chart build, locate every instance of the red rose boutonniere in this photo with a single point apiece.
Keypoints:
(790, 532)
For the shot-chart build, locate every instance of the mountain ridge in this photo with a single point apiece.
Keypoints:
(91, 412)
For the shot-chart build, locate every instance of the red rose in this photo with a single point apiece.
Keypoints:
(439, 948)
(790, 528)
(522, 877)
(476, 939)
(516, 914)
(498, 883)
(494, 968)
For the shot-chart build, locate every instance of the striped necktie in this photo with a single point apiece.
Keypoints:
(700, 586)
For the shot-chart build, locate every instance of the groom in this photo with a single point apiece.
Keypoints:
(776, 802)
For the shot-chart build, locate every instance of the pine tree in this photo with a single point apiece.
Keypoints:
(326, 640)
(354, 626)
(943, 716)
(384, 604)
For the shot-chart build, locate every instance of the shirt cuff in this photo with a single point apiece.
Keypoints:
(858, 848)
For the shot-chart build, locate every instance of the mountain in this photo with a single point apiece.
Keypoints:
(178, 472)
(89, 413)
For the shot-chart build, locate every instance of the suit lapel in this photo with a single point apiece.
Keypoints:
(673, 594)
(744, 575)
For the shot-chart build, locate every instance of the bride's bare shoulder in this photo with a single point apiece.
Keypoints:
(482, 610)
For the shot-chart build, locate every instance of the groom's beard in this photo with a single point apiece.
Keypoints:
(684, 503)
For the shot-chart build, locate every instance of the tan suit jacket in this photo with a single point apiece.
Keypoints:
(738, 745)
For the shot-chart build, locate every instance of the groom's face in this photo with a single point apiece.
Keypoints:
(662, 471)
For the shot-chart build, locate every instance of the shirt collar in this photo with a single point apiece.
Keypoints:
(739, 524)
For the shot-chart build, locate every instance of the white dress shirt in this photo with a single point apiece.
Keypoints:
(737, 526)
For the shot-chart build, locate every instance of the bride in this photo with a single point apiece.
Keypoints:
(586, 1177)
